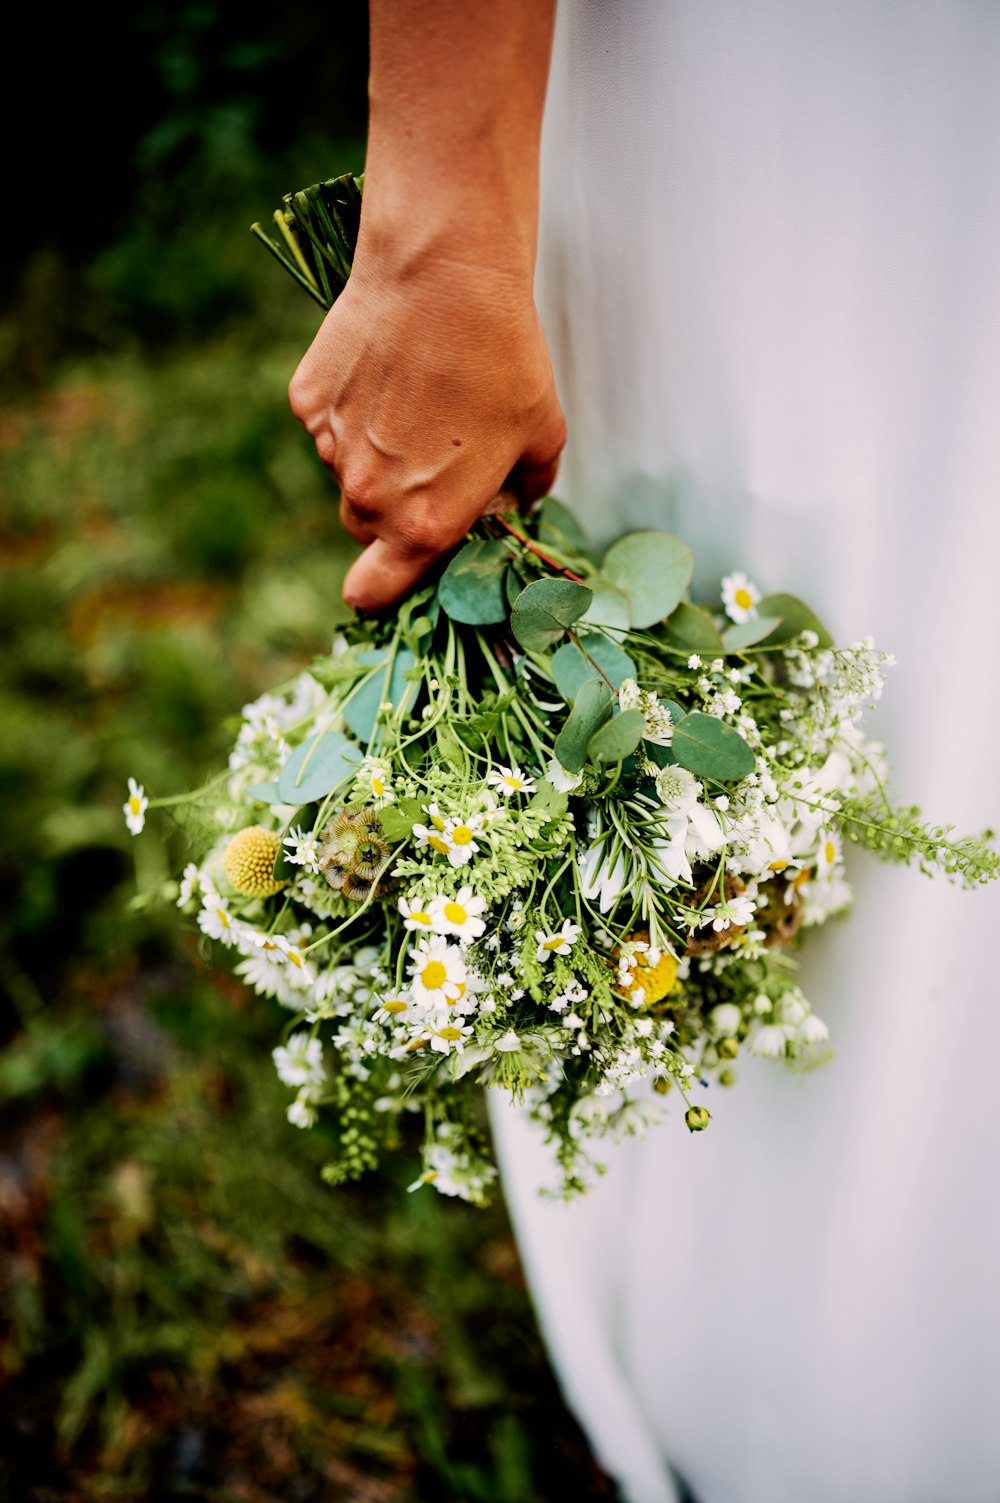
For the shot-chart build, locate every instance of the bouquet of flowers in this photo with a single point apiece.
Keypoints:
(554, 828)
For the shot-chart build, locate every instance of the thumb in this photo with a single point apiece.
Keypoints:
(390, 567)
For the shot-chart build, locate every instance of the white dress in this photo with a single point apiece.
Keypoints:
(770, 277)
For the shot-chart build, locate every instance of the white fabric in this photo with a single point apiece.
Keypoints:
(770, 276)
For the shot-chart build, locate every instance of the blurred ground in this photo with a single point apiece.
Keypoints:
(188, 1311)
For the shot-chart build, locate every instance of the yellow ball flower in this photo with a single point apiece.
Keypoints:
(657, 981)
(249, 862)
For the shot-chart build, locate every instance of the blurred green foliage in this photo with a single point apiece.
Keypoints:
(188, 1310)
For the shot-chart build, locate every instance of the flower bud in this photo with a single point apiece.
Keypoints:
(662, 1084)
(697, 1118)
(726, 1077)
(728, 1048)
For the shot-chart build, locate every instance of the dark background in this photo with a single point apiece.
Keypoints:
(188, 1311)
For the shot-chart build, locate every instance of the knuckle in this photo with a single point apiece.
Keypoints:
(326, 446)
(362, 491)
(418, 532)
(297, 395)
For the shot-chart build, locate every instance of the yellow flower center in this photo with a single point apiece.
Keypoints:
(394, 1006)
(555, 943)
(249, 862)
(223, 918)
(830, 852)
(656, 981)
(461, 835)
(455, 913)
(743, 599)
(419, 917)
(378, 787)
(514, 783)
(777, 866)
(295, 958)
(450, 1033)
(135, 804)
(437, 844)
(437, 821)
(434, 975)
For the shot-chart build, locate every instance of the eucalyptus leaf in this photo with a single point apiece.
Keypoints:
(654, 569)
(471, 589)
(557, 524)
(745, 633)
(610, 606)
(661, 755)
(710, 749)
(317, 767)
(618, 738)
(266, 792)
(573, 664)
(591, 708)
(795, 616)
(544, 610)
(362, 711)
(691, 629)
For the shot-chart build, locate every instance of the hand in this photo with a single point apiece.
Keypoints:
(427, 389)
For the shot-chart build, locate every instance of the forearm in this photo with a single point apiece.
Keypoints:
(457, 90)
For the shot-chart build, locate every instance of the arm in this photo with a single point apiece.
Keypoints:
(428, 386)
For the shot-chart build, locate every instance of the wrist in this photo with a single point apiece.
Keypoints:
(419, 213)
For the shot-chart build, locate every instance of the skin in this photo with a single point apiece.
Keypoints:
(429, 388)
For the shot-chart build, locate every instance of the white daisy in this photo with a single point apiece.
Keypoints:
(735, 912)
(438, 972)
(300, 1061)
(451, 1036)
(190, 883)
(302, 849)
(135, 806)
(392, 1009)
(374, 776)
(510, 780)
(559, 943)
(433, 836)
(461, 837)
(828, 855)
(217, 922)
(739, 596)
(302, 1112)
(415, 914)
(508, 1043)
(459, 915)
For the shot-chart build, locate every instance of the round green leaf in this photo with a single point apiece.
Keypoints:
(591, 709)
(317, 767)
(745, 633)
(572, 665)
(267, 793)
(544, 609)
(362, 711)
(654, 569)
(617, 739)
(795, 616)
(709, 749)
(610, 606)
(691, 629)
(471, 589)
(557, 524)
